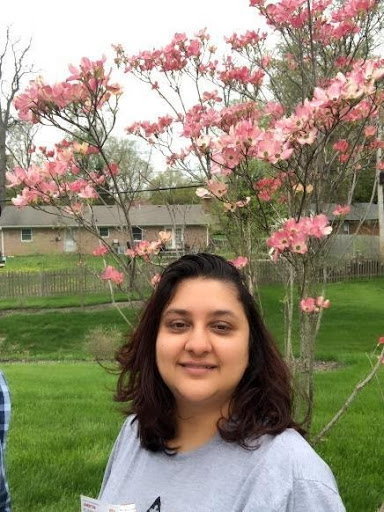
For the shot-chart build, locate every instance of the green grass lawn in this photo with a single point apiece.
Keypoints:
(63, 427)
(63, 301)
(44, 262)
(54, 335)
(354, 448)
(64, 421)
(351, 326)
(64, 424)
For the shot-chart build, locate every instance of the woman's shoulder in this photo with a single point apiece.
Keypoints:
(128, 435)
(130, 426)
(286, 467)
(289, 450)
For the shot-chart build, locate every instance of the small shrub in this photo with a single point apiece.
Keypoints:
(102, 342)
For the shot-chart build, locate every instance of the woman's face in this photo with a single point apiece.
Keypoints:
(202, 344)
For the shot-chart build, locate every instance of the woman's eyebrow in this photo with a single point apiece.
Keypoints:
(223, 312)
(216, 312)
(175, 311)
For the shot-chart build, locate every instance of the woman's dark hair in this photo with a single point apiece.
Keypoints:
(262, 401)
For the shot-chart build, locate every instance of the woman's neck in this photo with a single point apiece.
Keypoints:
(194, 429)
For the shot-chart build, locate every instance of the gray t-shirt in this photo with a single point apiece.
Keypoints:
(283, 475)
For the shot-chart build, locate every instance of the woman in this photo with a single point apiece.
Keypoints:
(211, 425)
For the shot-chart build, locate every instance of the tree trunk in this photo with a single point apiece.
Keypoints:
(288, 316)
(305, 368)
(3, 167)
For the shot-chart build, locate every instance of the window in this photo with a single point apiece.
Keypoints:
(177, 240)
(179, 237)
(26, 235)
(137, 233)
(104, 232)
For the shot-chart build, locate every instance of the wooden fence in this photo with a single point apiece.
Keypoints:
(356, 269)
(345, 270)
(43, 284)
(82, 281)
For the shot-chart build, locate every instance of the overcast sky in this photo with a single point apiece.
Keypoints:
(63, 32)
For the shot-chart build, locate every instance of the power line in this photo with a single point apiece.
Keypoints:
(157, 189)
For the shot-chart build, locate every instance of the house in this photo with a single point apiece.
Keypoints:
(32, 231)
(356, 235)
(363, 217)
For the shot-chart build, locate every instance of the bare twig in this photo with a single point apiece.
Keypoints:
(349, 400)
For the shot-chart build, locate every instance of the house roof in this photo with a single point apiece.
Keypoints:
(143, 216)
(359, 211)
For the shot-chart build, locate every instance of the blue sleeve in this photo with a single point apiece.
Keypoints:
(5, 501)
(5, 410)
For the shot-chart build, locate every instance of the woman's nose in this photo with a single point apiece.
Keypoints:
(198, 341)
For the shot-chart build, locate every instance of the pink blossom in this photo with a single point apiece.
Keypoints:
(322, 303)
(266, 61)
(311, 305)
(344, 158)
(145, 249)
(298, 243)
(25, 198)
(370, 131)
(203, 193)
(239, 262)
(111, 274)
(243, 202)
(100, 251)
(308, 305)
(341, 145)
(266, 187)
(319, 226)
(80, 147)
(131, 253)
(113, 168)
(88, 192)
(165, 236)
(155, 280)
(294, 234)
(15, 177)
(279, 241)
(380, 341)
(229, 207)
(217, 188)
(211, 96)
(341, 210)
(250, 38)
(307, 137)
(74, 209)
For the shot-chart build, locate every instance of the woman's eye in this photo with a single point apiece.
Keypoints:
(222, 328)
(177, 325)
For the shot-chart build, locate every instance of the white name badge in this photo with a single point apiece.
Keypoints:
(91, 505)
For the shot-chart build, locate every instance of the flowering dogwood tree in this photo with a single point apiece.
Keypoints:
(77, 172)
(292, 166)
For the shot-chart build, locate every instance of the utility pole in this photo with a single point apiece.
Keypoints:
(380, 202)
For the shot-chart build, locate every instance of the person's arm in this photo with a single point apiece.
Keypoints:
(5, 500)
(5, 410)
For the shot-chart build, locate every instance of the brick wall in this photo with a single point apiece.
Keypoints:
(195, 237)
(43, 241)
(369, 227)
(54, 241)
